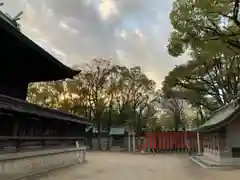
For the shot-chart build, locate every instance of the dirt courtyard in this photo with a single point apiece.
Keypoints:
(124, 166)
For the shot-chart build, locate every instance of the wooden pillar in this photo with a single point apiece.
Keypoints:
(7, 125)
(214, 144)
(27, 127)
(44, 128)
(16, 127)
(32, 125)
(205, 143)
(198, 144)
(1, 123)
(218, 145)
(133, 141)
(208, 143)
(129, 142)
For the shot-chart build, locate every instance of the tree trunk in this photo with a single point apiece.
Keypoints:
(109, 138)
(99, 136)
(109, 125)
(177, 122)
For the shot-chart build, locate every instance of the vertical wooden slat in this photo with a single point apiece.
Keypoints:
(166, 141)
(182, 141)
(155, 140)
(172, 141)
(161, 138)
(159, 141)
(163, 141)
(177, 140)
(169, 141)
(150, 140)
(146, 141)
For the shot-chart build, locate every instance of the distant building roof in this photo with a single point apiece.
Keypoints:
(221, 117)
(13, 104)
(117, 131)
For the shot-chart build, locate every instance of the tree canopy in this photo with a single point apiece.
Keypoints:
(110, 95)
(106, 94)
(209, 32)
(204, 25)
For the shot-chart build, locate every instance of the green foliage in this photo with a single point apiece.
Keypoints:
(210, 25)
(206, 84)
(106, 94)
(209, 30)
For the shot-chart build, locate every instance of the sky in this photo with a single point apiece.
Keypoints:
(127, 32)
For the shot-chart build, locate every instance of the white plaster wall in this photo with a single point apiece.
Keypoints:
(125, 143)
(104, 143)
(233, 133)
(32, 162)
(232, 140)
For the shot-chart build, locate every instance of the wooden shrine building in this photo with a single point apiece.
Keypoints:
(220, 135)
(24, 62)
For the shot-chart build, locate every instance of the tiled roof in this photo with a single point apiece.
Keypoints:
(21, 106)
(25, 49)
(220, 117)
(9, 20)
(117, 131)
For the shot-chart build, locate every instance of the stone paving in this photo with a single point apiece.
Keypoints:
(124, 166)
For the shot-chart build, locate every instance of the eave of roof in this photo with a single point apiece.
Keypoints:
(117, 131)
(220, 118)
(64, 71)
(14, 104)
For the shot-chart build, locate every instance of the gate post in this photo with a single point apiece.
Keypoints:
(198, 144)
(133, 141)
(129, 141)
(78, 152)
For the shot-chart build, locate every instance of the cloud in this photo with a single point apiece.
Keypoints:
(131, 32)
(66, 27)
(107, 9)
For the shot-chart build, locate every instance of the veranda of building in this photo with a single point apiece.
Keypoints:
(24, 62)
(220, 135)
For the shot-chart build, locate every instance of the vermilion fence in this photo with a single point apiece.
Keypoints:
(169, 141)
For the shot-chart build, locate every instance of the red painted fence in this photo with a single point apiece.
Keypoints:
(169, 141)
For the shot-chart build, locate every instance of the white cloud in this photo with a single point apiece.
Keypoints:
(64, 26)
(154, 76)
(60, 55)
(123, 34)
(131, 32)
(107, 9)
(29, 14)
(139, 33)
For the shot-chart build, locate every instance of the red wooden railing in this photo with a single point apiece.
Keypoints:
(169, 141)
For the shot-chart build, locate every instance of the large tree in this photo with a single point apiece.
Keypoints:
(209, 30)
(106, 94)
(204, 24)
(206, 84)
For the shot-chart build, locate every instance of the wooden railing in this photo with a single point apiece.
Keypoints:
(9, 144)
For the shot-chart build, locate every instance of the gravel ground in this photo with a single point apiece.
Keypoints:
(124, 166)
